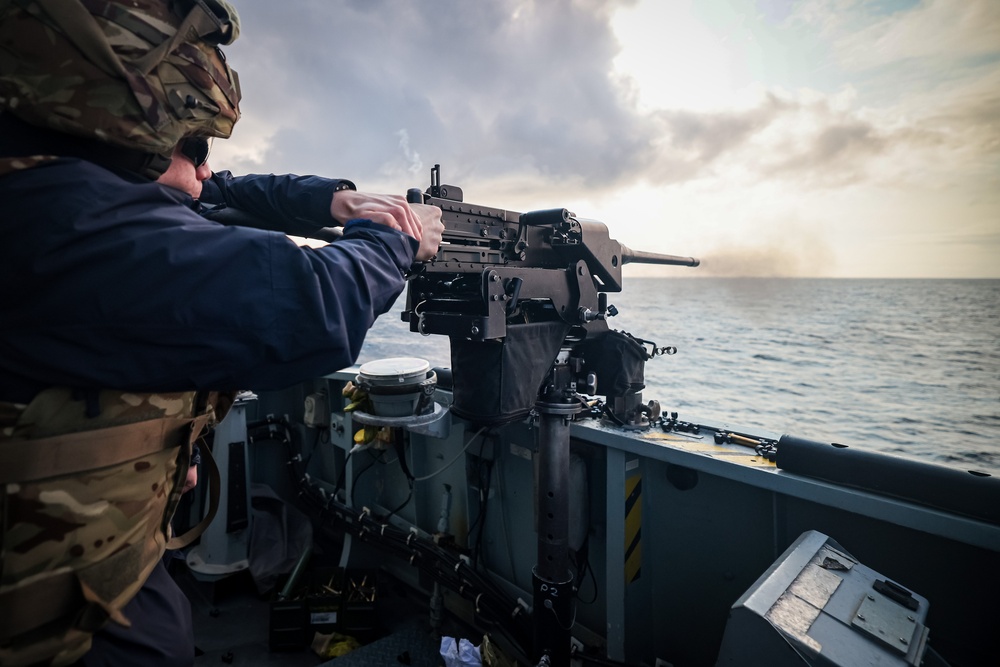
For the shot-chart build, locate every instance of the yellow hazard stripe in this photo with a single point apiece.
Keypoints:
(633, 528)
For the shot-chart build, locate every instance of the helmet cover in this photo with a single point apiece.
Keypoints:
(138, 74)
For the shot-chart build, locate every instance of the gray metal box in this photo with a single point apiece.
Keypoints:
(817, 605)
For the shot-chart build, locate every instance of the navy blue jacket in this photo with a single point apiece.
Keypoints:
(114, 282)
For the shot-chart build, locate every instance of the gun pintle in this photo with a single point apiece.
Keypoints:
(630, 256)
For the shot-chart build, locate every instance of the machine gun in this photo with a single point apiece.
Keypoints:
(510, 289)
(523, 300)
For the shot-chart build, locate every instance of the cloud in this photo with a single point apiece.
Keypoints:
(523, 95)
(494, 86)
(937, 32)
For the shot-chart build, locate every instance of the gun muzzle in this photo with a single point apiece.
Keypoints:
(630, 256)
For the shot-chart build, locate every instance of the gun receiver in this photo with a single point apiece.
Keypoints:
(494, 265)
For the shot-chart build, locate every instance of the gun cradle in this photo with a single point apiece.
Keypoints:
(478, 306)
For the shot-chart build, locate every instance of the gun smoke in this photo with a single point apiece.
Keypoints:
(768, 261)
(412, 157)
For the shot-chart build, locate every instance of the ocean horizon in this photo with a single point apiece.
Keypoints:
(905, 366)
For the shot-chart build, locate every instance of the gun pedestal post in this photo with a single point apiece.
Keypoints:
(551, 578)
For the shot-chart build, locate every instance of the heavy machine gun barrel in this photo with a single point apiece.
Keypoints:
(630, 256)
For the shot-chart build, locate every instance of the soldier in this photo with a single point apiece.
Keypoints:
(127, 316)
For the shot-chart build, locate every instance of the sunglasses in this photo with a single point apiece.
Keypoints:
(196, 149)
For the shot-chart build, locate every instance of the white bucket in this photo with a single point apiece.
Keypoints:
(399, 386)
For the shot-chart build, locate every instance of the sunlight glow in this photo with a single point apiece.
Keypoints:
(679, 62)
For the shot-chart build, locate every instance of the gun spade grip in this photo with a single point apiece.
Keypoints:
(415, 196)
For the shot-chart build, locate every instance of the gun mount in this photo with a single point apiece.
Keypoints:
(523, 300)
(510, 290)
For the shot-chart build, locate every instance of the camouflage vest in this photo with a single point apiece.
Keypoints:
(86, 504)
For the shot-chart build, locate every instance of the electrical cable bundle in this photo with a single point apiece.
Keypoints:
(448, 567)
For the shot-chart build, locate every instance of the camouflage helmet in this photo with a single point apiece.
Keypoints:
(136, 74)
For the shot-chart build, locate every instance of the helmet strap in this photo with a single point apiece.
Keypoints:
(199, 18)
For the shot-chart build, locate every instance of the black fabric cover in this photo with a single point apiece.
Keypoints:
(618, 361)
(497, 381)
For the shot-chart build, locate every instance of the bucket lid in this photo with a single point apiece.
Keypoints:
(394, 371)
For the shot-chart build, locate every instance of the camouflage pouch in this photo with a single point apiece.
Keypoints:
(86, 504)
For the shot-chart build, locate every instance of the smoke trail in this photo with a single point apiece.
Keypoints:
(416, 165)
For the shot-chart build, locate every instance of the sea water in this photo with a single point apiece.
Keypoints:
(910, 367)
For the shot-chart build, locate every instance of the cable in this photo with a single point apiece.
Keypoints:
(581, 560)
(343, 472)
(495, 608)
(479, 524)
(375, 459)
(612, 416)
(503, 523)
(409, 497)
(449, 463)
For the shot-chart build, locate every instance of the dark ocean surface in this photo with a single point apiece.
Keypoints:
(909, 367)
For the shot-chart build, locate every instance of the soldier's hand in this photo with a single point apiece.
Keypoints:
(421, 221)
(432, 227)
(389, 210)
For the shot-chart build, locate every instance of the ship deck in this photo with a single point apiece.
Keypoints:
(673, 527)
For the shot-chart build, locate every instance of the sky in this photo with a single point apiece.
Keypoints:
(814, 138)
